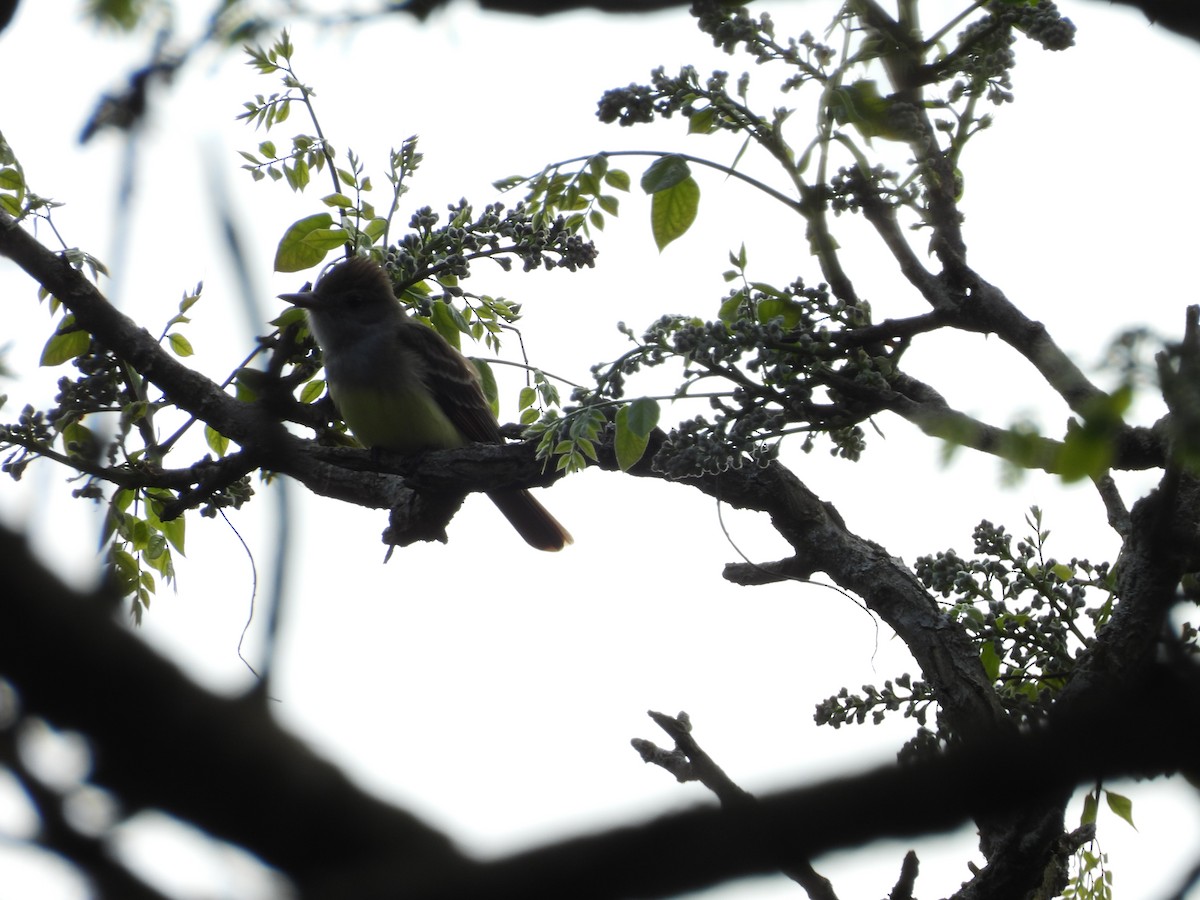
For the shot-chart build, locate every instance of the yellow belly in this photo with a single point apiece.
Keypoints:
(404, 421)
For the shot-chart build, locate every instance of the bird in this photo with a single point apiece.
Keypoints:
(399, 385)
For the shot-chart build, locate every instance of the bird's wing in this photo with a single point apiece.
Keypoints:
(452, 380)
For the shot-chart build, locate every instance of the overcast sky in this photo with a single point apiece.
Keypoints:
(493, 689)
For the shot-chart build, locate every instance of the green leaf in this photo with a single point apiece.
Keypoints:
(665, 173)
(507, 184)
(1063, 571)
(527, 398)
(11, 180)
(673, 210)
(617, 179)
(990, 659)
(634, 424)
(376, 228)
(217, 442)
(124, 566)
(312, 391)
(339, 200)
(702, 121)
(307, 242)
(180, 345)
(731, 308)
(1121, 805)
(175, 530)
(487, 381)
(643, 415)
(1084, 454)
(80, 442)
(861, 105)
(65, 344)
(587, 184)
(190, 300)
(446, 323)
(789, 310)
(608, 203)
(1088, 816)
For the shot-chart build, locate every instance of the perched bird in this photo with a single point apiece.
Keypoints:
(400, 386)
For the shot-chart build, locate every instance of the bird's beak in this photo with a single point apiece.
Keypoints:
(303, 299)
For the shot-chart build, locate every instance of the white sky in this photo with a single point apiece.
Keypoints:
(493, 689)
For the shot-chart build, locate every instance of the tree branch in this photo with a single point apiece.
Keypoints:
(161, 742)
(251, 783)
(701, 767)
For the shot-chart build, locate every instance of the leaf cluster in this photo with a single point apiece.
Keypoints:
(791, 359)
(1030, 616)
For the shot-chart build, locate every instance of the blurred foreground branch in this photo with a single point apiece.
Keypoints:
(224, 765)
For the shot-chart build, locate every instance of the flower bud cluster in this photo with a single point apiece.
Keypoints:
(499, 234)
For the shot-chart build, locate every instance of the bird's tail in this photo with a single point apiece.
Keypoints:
(532, 521)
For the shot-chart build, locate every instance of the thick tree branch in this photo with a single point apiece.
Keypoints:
(823, 543)
(161, 742)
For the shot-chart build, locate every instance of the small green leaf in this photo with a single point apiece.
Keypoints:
(617, 179)
(11, 180)
(1121, 805)
(990, 659)
(180, 345)
(66, 343)
(774, 308)
(174, 530)
(702, 121)
(673, 210)
(80, 442)
(527, 398)
(124, 566)
(507, 184)
(312, 390)
(217, 442)
(587, 184)
(1088, 817)
(732, 307)
(446, 323)
(643, 415)
(665, 173)
(190, 300)
(634, 424)
(339, 200)
(307, 242)
(487, 381)
(376, 228)
(861, 105)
